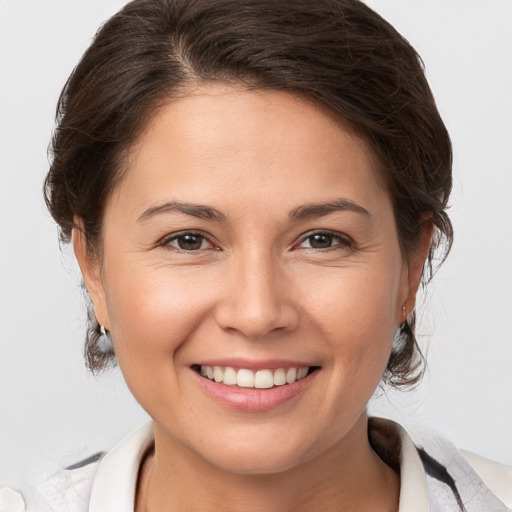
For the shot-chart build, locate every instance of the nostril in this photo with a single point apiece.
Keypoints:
(256, 323)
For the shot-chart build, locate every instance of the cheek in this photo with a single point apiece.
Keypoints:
(361, 300)
(355, 312)
(153, 310)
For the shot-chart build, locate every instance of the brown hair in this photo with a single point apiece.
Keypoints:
(338, 53)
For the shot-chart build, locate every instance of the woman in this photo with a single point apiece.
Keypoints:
(253, 192)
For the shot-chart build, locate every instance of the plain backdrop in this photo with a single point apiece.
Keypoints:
(52, 413)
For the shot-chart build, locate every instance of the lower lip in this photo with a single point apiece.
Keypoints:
(251, 399)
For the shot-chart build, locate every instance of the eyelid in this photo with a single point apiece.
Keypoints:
(345, 239)
(165, 241)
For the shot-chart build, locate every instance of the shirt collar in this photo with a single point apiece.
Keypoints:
(116, 479)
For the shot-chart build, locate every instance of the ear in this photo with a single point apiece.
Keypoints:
(413, 268)
(91, 272)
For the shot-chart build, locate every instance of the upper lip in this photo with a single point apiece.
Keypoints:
(255, 365)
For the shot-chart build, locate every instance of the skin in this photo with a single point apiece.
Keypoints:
(255, 289)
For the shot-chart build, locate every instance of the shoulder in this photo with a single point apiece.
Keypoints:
(473, 482)
(11, 500)
(67, 490)
(497, 477)
(475, 478)
(104, 482)
(437, 474)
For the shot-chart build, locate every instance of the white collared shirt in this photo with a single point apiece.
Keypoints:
(108, 485)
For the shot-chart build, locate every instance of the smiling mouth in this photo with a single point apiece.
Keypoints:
(261, 379)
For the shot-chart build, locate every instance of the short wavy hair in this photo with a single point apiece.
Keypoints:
(337, 53)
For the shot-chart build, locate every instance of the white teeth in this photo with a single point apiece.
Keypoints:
(291, 375)
(262, 379)
(229, 376)
(245, 378)
(279, 377)
(218, 374)
(301, 373)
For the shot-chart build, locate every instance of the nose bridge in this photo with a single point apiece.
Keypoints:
(259, 297)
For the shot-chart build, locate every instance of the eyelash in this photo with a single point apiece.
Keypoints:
(342, 241)
(166, 242)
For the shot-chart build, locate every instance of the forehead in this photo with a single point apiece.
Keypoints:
(220, 139)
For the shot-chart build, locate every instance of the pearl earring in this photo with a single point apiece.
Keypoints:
(104, 342)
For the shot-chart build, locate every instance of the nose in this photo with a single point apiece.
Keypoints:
(258, 299)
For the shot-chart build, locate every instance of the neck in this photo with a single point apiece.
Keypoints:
(349, 476)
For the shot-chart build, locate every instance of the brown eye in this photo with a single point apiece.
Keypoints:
(321, 241)
(189, 242)
(324, 240)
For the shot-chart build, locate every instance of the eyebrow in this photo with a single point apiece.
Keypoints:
(195, 210)
(208, 213)
(309, 211)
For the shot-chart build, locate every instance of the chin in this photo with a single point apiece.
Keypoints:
(252, 462)
(250, 457)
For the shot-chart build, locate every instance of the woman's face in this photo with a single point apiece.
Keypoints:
(251, 233)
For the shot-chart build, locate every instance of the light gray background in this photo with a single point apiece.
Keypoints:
(53, 413)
